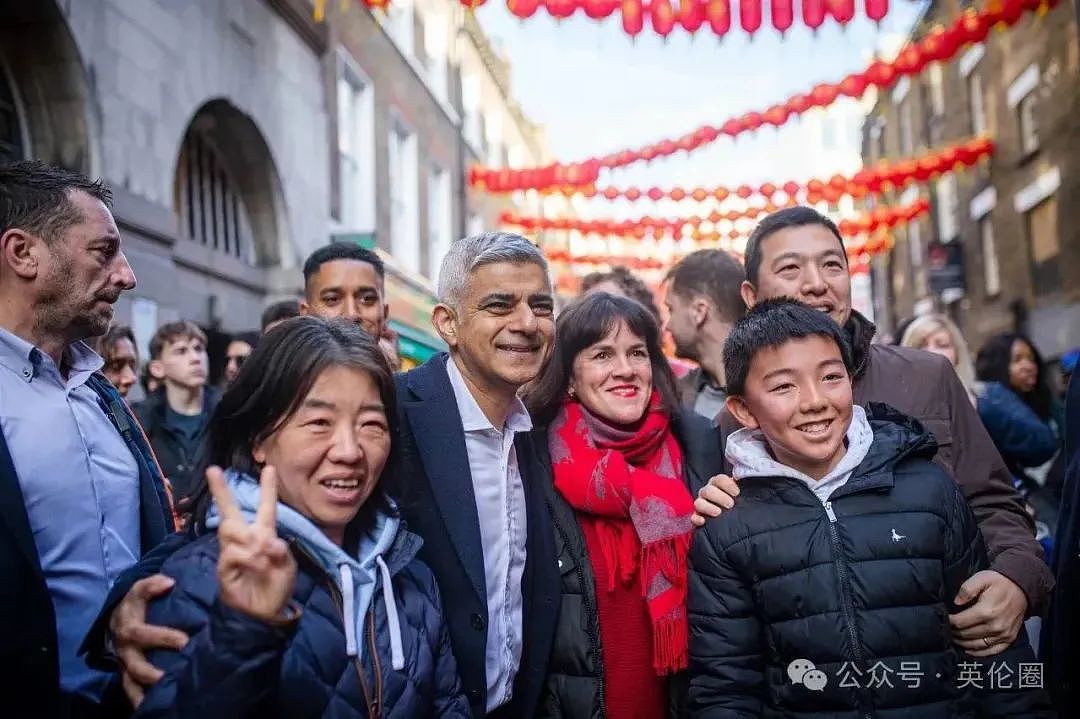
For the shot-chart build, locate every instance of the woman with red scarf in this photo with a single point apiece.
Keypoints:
(625, 463)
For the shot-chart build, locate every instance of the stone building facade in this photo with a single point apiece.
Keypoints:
(1008, 219)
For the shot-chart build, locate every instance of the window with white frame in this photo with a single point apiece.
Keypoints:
(435, 44)
(937, 89)
(356, 131)
(439, 218)
(400, 25)
(404, 190)
(976, 103)
(210, 207)
(470, 102)
(1029, 129)
(991, 269)
(947, 207)
(1044, 243)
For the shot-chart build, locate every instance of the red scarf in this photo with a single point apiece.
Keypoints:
(631, 484)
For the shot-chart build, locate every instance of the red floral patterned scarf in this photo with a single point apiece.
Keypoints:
(630, 482)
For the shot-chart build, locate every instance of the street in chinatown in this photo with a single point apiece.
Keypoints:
(617, 359)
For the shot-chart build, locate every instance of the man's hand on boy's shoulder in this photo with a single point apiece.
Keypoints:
(992, 623)
(714, 499)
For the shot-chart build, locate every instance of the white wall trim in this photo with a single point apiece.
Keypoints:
(1043, 187)
(983, 203)
(1022, 86)
(970, 59)
(900, 91)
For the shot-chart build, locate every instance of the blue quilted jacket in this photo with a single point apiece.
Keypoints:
(235, 666)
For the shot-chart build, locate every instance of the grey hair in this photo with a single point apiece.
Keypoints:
(468, 254)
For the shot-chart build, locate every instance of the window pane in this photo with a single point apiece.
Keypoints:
(978, 109)
(1045, 247)
(1029, 131)
(991, 270)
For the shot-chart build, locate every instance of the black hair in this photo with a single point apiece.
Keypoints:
(584, 323)
(714, 274)
(628, 282)
(771, 323)
(782, 220)
(341, 251)
(105, 345)
(251, 339)
(992, 365)
(269, 389)
(36, 198)
(278, 312)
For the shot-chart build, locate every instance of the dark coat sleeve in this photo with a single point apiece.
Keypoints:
(96, 643)
(964, 556)
(1016, 430)
(726, 654)
(987, 485)
(231, 665)
(450, 700)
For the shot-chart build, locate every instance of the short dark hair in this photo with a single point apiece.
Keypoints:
(782, 220)
(992, 365)
(583, 323)
(628, 282)
(173, 331)
(272, 384)
(36, 197)
(714, 274)
(105, 345)
(251, 339)
(279, 311)
(341, 251)
(771, 323)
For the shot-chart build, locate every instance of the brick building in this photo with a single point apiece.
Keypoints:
(1003, 225)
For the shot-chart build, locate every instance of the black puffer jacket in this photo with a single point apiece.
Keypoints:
(575, 681)
(869, 577)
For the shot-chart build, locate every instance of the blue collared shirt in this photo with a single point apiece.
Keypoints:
(81, 487)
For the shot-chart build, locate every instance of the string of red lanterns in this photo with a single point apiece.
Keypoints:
(872, 180)
(939, 45)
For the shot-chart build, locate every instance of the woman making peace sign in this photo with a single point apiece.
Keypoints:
(301, 594)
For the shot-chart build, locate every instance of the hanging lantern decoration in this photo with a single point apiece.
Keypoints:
(782, 14)
(813, 13)
(471, 5)
(599, 9)
(561, 9)
(662, 16)
(522, 9)
(750, 15)
(876, 10)
(691, 15)
(854, 85)
(633, 18)
(843, 11)
(718, 13)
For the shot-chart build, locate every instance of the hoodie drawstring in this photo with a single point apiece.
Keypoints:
(397, 654)
(348, 600)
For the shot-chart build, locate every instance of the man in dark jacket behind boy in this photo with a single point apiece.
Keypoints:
(825, 591)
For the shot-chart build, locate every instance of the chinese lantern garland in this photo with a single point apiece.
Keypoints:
(939, 45)
(868, 181)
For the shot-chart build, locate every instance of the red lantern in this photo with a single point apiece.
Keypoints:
(782, 14)
(911, 60)
(691, 15)
(813, 13)
(699, 194)
(876, 10)
(718, 13)
(750, 15)
(768, 190)
(472, 4)
(611, 193)
(599, 9)
(678, 194)
(976, 26)
(561, 9)
(752, 120)
(721, 194)
(776, 115)
(632, 193)
(842, 10)
(666, 147)
(798, 104)
(663, 18)
(824, 94)
(655, 194)
(732, 127)
(791, 188)
(881, 74)
(853, 85)
(708, 133)
(633, 19)
(744, 191)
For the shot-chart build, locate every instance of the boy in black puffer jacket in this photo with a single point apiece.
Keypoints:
(826, 590)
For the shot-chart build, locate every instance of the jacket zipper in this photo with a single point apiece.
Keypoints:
(846, 604)
(594, 640)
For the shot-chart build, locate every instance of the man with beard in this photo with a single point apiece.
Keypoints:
(704, 302)
(81, 497)
(799, 253)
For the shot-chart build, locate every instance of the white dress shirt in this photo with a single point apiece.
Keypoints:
(500, 505)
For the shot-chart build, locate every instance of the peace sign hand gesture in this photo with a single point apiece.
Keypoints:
(256, 571)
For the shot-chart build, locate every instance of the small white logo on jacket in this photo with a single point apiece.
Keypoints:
(898, 537)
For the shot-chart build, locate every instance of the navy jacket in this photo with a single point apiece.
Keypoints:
(1021, 436)
(235, 666)
(29, 666)
(180, 457)
(430, 478)
(861, 586)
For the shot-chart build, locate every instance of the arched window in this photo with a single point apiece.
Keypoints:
(212, 211)
(11, 146)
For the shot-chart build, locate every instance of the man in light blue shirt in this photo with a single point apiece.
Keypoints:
(81, 498)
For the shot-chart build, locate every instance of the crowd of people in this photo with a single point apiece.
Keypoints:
(553, 518)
